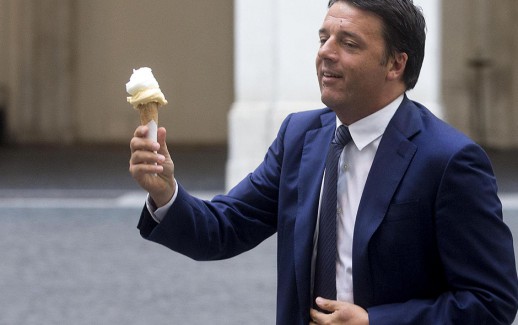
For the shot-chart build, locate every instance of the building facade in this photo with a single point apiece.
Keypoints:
(231, 69)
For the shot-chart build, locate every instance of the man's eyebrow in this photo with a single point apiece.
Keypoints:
(350, 34)
(341, 33)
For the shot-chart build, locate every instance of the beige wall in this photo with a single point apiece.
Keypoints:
(67, 62)
(188, 44)
(480, 70)
(4, 23)
(37, 62)
(64, 64)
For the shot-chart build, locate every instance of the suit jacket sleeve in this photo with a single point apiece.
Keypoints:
(475, 249)
(228, 224)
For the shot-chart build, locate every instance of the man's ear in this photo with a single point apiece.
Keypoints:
(397, 65)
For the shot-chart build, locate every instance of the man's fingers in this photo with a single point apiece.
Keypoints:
(139, 170)
(138, 143)
(341, 312)
(326, 304)
(317, 317)
(161, 134)
(141, 131)
(313, 313)
(141, 142)
(320, 317)
(146, 157)
(161, 138)
(147, 152)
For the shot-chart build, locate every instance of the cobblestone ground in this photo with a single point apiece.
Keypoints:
(90, 266)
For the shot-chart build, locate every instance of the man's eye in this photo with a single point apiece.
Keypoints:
(323, 41)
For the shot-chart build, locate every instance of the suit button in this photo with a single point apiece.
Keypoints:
(344, 167)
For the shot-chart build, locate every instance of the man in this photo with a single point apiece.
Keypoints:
(419, 231)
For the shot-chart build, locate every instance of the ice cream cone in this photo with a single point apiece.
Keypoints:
(148, 112)
(146, 97)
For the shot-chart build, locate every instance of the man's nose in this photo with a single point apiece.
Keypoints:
(327, 50)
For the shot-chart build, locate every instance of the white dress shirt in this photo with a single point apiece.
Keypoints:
(354, 166)
(355, 163)
(159, 214)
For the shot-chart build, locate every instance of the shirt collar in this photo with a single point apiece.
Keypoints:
(370, 128)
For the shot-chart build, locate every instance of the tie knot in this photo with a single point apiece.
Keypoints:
(342, 136)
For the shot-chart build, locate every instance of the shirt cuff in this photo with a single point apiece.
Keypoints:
(158, 214)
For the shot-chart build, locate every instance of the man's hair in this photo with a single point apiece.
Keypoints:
(404, 30)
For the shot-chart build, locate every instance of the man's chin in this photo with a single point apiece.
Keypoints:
(329, 101)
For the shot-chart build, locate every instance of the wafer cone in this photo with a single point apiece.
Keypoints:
(148, 112)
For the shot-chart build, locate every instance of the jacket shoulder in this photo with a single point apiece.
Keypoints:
(307, 120)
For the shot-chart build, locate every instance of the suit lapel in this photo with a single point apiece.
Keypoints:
(392, 159)
(310, 175)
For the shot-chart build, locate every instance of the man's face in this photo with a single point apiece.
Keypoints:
(350, 62)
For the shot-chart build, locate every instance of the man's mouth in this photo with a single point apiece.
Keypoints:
(328, 74)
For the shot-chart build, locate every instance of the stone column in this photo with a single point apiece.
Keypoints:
(428, 88)
(276, 43)
(38, 64)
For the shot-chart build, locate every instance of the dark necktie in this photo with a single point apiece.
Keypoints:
(325, 265)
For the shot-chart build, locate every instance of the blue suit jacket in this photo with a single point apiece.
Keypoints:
(429, 247)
